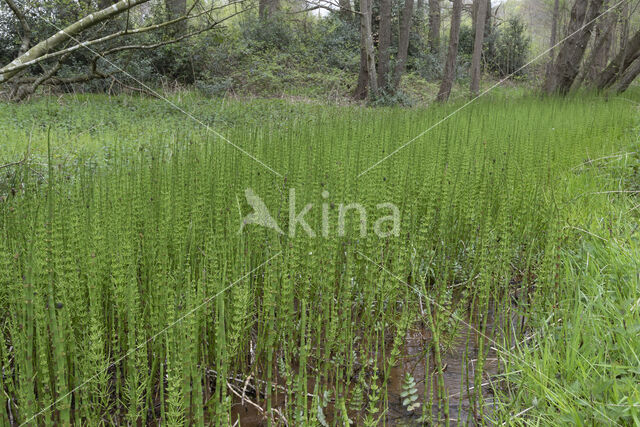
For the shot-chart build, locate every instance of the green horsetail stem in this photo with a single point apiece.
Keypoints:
(139, 284)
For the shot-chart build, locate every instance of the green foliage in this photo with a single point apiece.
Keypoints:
(409, 393)
(315, 58)
(127, 280)
(286, 55)
(581, 367)
(466, 40)
(507, 48)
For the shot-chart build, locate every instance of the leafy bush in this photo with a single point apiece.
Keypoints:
(466, 41)
(507, 48)
(274, 32)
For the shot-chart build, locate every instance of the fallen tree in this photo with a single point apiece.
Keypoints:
(73, 38)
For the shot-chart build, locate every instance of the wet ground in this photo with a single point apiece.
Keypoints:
(459, 367)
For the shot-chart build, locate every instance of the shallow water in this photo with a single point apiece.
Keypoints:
(458, 376)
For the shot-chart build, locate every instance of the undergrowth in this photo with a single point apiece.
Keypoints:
(581, 365)
(130, 294)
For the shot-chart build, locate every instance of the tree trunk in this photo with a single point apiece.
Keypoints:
(549, 75)
(403, 43)
(602, 45)
(433, 40)
(367, 75)
(569, 59)
(624, 33)
(629, 53)
(361, 90)
(449, 73)
(384, 42)
(623, 17)
(66, 34)
(365, 23)
(487, 21)
(601, 54)
(481, 14)
(628, 76)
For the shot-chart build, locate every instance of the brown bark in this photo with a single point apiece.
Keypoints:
(361, 91)
(549, 75)
(367, 40)
(629, 53)
(449, 73)
(487, 20)
(567, 65)
(433, 40)
(602, 45)
(367, 79)
(384, 42)
(624, 32)
(403, 43)
(481, 14)
(623, 17)
(628, 76)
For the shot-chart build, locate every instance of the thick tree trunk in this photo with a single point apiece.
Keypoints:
(367, 80)
(567, 65)
(367, 39)
(476, 69)
(601, 54)
(628, 76)
(549, 75)
(624, 33)
(623, 17)
(629, 53)
(403, 43)
(433, 40)
(601, 47)
(361, 90)
(487, 21)
(384, 42)
(66, 34)
(449, 73)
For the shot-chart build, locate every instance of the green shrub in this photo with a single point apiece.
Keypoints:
(507, 48)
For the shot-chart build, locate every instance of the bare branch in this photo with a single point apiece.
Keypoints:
(26, 29)
(23, 91)
(122, 33)
(67, 33)
(8, 165)
(167, 42)
(49, 78)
